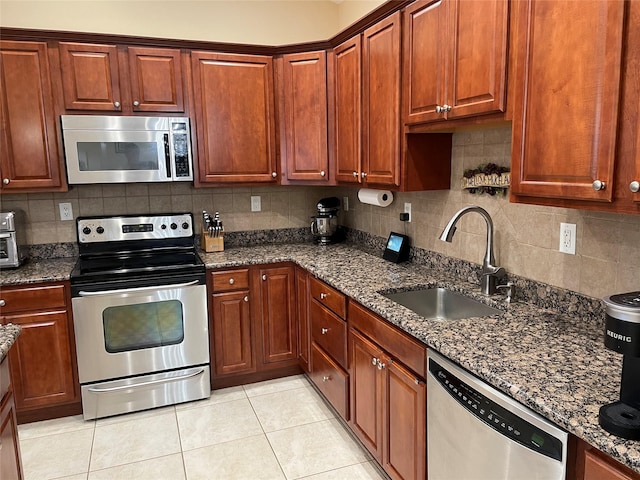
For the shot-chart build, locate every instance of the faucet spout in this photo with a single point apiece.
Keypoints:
(490, 272)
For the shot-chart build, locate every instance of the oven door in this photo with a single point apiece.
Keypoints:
(133, 331)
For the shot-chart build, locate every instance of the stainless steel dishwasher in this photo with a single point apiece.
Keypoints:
(476, 432)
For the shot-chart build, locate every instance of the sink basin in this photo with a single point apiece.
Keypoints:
(441, 304)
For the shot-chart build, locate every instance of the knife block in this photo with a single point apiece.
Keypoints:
(211, 244)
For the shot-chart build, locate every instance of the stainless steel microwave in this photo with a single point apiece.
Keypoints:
(110, 149)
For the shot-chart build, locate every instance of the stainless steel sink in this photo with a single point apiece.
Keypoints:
(441, 304)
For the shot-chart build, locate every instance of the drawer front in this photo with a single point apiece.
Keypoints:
(331, 380)
(329, 297)
(399, 344)
(329, 331)
(228, 280)
(21, 299)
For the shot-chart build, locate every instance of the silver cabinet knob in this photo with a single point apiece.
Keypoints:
(322, 173)
(446, 108)
(381, 365)
(416, 381)
(324, 331)
(363, 175)
(438, 109)
(274, 174)
(231, 281)
(6, 181)
(374, 361)
(116, 104)
(355, 174)
(136, 103)
(246, 298)
(598, 185)
(323, 296)
(2, 303)
(634, 186)
(326, 378)
(264, 277)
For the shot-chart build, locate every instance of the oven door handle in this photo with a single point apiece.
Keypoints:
(144, 384)
(136, 290)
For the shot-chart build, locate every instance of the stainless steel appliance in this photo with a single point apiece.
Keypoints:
(324, 225)
(622, 335)
(476, 432)
(140, 313)
(110, 149)
(12, 239)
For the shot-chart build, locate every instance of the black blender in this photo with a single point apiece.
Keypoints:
(622, 334)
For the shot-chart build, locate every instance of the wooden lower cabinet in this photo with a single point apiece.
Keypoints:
(232, 340)
(43, 359)
(302, 316)
(331, 380)
(10, 462)
(591, 464)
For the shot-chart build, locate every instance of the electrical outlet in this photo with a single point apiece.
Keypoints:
(407, 209)
(66, 211)
(568, 238)
(345, 204)
(255, 203)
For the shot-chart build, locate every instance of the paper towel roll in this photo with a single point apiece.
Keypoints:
(381, 198)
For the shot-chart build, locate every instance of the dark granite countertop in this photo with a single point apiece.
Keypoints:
(552, 361)
(8, 335)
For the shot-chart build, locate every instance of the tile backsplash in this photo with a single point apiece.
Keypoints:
(607, 256)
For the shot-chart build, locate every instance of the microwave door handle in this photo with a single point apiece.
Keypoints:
(167, 154)
(136, 290)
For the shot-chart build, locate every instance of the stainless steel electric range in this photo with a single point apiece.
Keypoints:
(140, 313)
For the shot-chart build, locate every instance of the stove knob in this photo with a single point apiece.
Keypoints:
(163, 226)
(86, 230)
(173, 226)
(185, 225)
(100, 230)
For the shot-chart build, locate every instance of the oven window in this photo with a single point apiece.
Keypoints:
(143, 325)
(100, 156)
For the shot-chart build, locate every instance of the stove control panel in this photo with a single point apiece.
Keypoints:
(130, 227)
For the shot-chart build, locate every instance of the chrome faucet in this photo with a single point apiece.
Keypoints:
(490, 273)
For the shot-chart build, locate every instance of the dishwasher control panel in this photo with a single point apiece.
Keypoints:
(496, 416)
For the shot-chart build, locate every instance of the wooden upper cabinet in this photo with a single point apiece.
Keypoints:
(156, 79)
(146, 80)
(235, 119)
(381, 103)
(29, 152)
(304, 117)
(455, 54)
(634, 182)
(567, 87)
(347, 110)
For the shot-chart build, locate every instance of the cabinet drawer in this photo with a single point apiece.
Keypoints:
(405, 349)
(227, 280)
(329, 331)
(329, 297)
(330, 379)
(32, 298)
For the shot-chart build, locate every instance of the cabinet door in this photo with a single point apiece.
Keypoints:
(596, 467)
(347, 87)
(304, 79)
(367, 399)
(277, 295)
(156, 79)
(634, 182)
(381, 102)
(10, 465)
(41, 360)
(232, 346)
(302, 315)
(90, 77)
(567, 85)
(476, 63)
(235, 120)
(29, 155)
(405, 449)
(425, 32)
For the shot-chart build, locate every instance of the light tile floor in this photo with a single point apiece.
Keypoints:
(279, 429)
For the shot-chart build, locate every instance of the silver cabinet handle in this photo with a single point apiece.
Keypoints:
(231, 281)
(264, 277)
(599, 185)
(116, 104)
(136, 103)
(363, 175)
(144, 384)
(246, 298)
(326, 378)
(2, 303)
(136, 290)
(274, 174)
(6, 181)
(324, 331)
(355, 174)
(374, 361)
(322, 173)
(323, 296)
(634, 186)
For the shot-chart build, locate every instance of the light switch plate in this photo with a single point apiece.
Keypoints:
(255, 203)
(568, 238)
